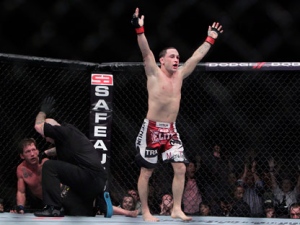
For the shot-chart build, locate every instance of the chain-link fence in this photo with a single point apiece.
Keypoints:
(252, 115)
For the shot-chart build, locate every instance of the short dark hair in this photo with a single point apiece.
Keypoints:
(24, 142)
(164, 51)
(295, 205)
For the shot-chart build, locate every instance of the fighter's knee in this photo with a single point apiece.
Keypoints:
(146, 173)
(179, 168)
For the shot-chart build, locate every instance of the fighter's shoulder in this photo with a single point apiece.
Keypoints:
(44, 160)
(22, 164)
(20, 168)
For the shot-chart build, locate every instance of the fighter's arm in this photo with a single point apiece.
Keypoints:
(50, 152)
(43, 156)
(120, 211)
(148, 56)
(21, 192)
(46, 109)
(39, 123)
(213, 31)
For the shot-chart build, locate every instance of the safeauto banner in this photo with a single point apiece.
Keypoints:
(101, 114)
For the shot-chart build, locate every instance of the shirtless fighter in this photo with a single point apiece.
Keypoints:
(158, 133)
(29, 172)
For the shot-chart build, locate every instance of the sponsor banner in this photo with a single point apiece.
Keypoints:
(252, 66)
(101, 114)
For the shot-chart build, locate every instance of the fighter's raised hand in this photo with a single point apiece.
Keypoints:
(47, 105)
(138, 22)
(214, 30)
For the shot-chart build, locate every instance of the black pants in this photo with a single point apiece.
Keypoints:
(85, 185)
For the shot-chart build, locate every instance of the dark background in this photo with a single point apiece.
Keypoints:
(100, 31)
(242, 111)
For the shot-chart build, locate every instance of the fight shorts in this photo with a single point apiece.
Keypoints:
(157, 138)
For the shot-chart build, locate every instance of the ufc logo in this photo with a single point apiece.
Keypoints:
(102, 79)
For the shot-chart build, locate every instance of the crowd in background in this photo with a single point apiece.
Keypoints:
(214, 188)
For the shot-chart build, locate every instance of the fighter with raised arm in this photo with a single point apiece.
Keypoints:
(158, 134)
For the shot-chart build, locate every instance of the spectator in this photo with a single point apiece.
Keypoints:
(232, 180)
(240, 208)
(191, 195)
(268, 195)
(254, 188)
(285, 195)
(215, 173)
(138, 205)
(269, 209)
(205, 209)
(295, 210)
(127, 207)
(223, 206)
(128, 202)
(166, 205)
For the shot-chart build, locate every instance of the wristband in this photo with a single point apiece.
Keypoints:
(139, 30)
(210, 40)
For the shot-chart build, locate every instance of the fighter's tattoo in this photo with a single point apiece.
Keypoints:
(26, 173)
(40, 118)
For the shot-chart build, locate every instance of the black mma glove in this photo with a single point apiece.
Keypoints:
(42, 155)
(47, 106)
(210, 39)
(216, 30)
(135, 23)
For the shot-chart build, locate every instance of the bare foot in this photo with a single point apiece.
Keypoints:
(180, 215)
(133, 213)
(148, 217)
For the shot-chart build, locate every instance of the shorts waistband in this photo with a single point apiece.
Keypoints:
(160, 124)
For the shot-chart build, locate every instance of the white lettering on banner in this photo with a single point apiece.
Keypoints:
(102, 91)
(265, 64)
(100, 117)
(230, 64)
(285, 64)
(103, 158)
(101, 104)
(99, 144)
(100, 131)
(101, 111)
